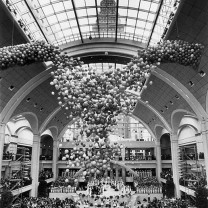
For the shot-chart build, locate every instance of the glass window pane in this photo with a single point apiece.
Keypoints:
(71, 14)
(84, 29)
(48, 10)
(132, 13)
(131, 22)
(90, 3)
(139, 32)
(129, 30)
(67, 32)
(81, 12)
(83, 21)
(67, 5)
(93, 20)
(55, 28)
(153, 7)
(134, 3)
(142, 15)
(140, 24)
(61, 17)
(64, 25)
(52, 19)
(80, 3)
(145, 5)
(91, 11)
(151, 17)
(58, 7)
(122, 12)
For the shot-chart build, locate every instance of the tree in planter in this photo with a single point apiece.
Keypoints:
(6, 199)
(201, 194)
(42, 188)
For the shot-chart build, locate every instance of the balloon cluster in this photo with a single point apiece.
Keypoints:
(28, 53)
(176, 51)
(94, 159)
(98, 98)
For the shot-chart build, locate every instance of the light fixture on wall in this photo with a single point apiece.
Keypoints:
(191, 83)
(202, 73)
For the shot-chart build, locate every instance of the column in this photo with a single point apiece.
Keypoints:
(204, 125)
(175, 168)
(55, 158)
(124, 175)
(123, 153)
(35, 164)
(2, 139)
(117, 173)
(158, 158)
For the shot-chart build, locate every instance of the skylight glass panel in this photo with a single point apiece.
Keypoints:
(90, 3)
(132, 13)
(92, 20)
(139, 31)
(58, 7)
(129, 30)
(142, 15)
(71, 14)
(81, 12)
(27, 18)
(59, 35)
(134, 3)
(21, 6)
(67, 5)
(122, 12)
(67, 32)
(79, 3)
(91, 11)
(146, 33)
(145, 5)
(73, 23)
(141, 24)
(148, 25)
(131, 22)
(151, 17)
(48, 10)
(62, 17)
(84, 29)
(55, 28)
(43, 2)
(154, 7)
(75, 30)
(52, 19)
(64, 25)
(45, 22)
(83, 21)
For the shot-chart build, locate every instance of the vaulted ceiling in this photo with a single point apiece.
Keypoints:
(28, 87)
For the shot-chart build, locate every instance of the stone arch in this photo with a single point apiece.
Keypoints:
(54, 132)
(176, 117)
(159, 131)
(32, 119)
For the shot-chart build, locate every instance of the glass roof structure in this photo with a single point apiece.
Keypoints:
(64, 21)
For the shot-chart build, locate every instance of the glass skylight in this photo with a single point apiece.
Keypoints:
(60, 22)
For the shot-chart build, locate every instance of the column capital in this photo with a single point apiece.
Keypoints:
(36, 138)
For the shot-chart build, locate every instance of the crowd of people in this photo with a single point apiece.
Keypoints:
(143, 173)
(41, 202)
(162, 203)
(147, 185)
(103, 201)
(63, 185)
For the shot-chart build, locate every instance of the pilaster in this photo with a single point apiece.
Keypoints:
(2, 139)
(35, 164)
(175, 167)
(158, 158)
(55, 158)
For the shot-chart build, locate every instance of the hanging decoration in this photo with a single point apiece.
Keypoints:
(98, 98)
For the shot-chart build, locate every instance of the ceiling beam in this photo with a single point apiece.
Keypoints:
(75, 13)
(34, 17)
(155, 21)
(116, 33)
(98, 26)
